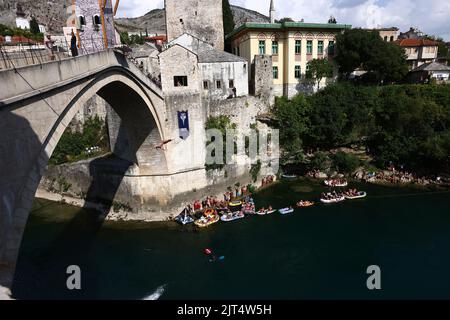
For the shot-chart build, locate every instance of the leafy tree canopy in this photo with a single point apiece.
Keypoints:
(357, 48)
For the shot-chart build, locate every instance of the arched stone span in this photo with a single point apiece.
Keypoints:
(31, 128)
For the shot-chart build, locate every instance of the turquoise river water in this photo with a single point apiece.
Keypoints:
(320, 252)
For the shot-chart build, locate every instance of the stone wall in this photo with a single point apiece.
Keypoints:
(224, 72)
(94, 107)
(200, 18)
(262, 77)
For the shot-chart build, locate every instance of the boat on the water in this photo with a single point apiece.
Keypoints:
(336, 183)
(334, 200)
(184, 219)
(265, 212)
(305, 204)
(209, 217)
(289, 176)
(359, 195)
(232, 216)
(286, 210)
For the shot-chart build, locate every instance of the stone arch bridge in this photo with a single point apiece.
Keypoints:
(38, 102)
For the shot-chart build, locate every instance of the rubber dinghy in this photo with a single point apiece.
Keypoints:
(232, 216)
(286, 210)
(210, 217)
(335, 200)
(289, 176)
(360, 195)
(334, 183)
(265, 212)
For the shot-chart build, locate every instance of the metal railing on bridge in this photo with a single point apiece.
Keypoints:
(23, 53)
(18, 54)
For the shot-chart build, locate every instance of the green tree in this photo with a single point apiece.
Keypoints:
(345, 163)
(357, 48)
(292, 120)
(228, 19)
(34, 26)
(319, 69)
(285, 19)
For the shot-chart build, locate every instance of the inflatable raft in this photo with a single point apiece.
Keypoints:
(305, 204)
(335, 200)
(360, 195)
(286, 211)
(334, 183)
(232, 216)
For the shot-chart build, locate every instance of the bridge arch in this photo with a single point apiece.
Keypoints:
(33, 126)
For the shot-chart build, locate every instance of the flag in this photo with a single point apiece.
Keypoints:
(183, 124)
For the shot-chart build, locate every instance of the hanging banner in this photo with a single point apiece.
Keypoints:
(183, 124)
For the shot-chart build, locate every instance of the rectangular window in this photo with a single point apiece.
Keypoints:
(180, 81)
(231, 83)
(219, 84)
(275, 72)
(262, 47)
(274, 47)
(298, 46)
(331, 48)
(320, 47)
(205, 85)
(309, 47)
(298, 72)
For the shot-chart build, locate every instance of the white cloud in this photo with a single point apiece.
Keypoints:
(431, 16)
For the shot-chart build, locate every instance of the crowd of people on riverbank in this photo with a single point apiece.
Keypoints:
(403, 177)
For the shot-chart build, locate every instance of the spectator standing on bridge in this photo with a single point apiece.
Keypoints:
(73, 45)
(49, 46)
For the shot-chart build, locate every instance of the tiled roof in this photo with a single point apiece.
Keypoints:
(287, 25)
(416, 42)
(432, 66)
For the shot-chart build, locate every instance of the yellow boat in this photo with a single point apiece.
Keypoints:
(210, 217)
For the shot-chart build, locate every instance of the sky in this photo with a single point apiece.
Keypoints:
(430, 16)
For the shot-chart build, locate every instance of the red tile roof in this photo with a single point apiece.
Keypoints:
(416, 42)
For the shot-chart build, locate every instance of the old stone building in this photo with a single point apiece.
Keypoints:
(200, 18)
(221, 75)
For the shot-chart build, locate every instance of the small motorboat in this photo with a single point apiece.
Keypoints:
(305, 204)
(286, 210)
(334, 200)
(359, 195)
(227, 217)
(336, 183)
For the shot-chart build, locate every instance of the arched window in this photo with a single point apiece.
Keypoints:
(96, 20)
(81, 22)
(392, 38)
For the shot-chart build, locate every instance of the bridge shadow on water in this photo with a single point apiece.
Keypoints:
(40, 277)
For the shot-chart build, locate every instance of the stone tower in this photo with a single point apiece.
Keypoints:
(272, 12)
(202, 19)
(95, 31)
